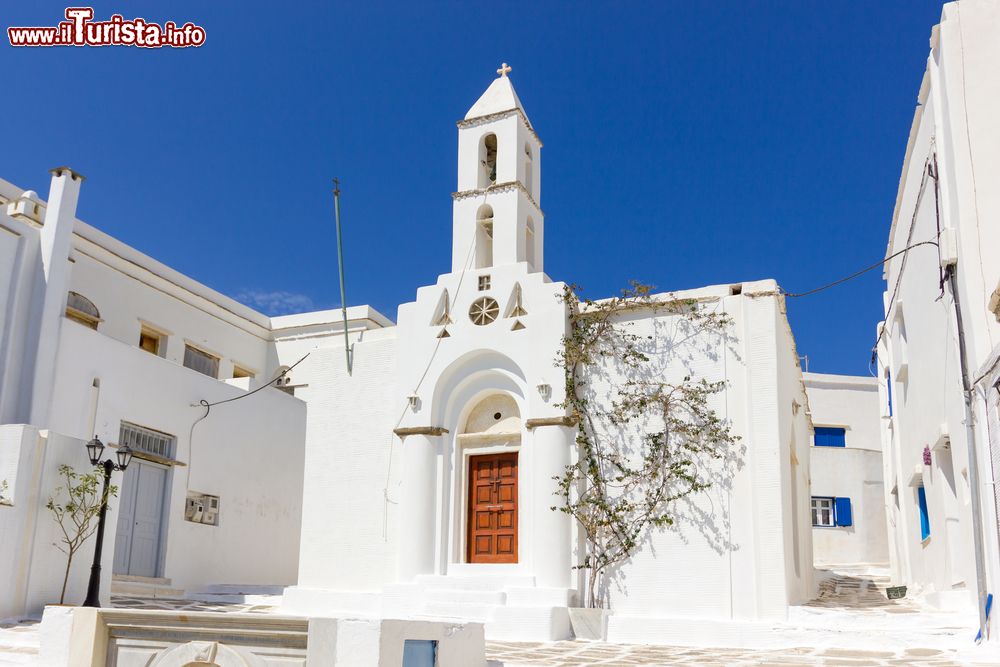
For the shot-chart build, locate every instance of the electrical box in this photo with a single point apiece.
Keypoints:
(202, 508)
(948, 247)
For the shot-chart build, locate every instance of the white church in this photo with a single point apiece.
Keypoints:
(418, 483)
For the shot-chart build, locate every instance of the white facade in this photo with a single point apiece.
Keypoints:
(845, 463)
(944, 196)
(365, 502)
(62, 382)
(458, 380)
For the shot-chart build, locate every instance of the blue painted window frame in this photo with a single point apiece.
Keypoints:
(925, 519)
(830, 436)
(842, 515)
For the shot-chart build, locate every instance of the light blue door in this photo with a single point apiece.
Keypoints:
(140, 519)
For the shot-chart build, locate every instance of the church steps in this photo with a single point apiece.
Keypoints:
(483, 582)
(144, 587)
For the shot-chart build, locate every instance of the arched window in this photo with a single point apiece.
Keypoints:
(81, 309)
(488, 161)
(529, 242)
(484, 237)
(528, 180)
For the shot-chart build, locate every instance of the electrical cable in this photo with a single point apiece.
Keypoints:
(858, 273)
(208, 408)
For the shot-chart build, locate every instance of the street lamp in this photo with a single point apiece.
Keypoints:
(124, 455)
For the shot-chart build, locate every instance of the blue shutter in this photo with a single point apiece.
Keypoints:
(842, 511)
(925, 521)
(828, 436)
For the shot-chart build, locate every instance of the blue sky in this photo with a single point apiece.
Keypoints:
(686, 144)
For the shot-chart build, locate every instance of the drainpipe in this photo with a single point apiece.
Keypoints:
(970, 439)
(54, 246)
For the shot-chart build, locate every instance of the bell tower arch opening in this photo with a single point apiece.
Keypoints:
(484, 237)
(488, 161)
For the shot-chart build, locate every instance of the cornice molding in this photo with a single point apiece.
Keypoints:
(565, 420)
(419, 430)
(489, 118)
(499, 187)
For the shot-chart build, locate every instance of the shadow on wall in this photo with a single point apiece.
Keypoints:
(677, 350)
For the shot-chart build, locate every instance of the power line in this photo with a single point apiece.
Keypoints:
(862, 271)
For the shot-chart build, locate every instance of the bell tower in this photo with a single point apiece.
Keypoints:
(497, 220)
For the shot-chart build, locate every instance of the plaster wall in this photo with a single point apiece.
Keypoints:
(733, 552)
(250, 453)
(953, 123)
(853, 471)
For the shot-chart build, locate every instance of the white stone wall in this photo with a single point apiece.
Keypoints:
(741, 549)
(853, 471)
(953, 125)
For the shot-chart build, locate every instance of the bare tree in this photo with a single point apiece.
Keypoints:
(76, 515)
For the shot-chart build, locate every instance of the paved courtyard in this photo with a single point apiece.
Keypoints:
(849, 623)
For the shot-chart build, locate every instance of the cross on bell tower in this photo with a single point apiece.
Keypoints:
(504, 69)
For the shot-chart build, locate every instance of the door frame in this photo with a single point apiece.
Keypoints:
(505, 444)
(161, 547)
(517, 505)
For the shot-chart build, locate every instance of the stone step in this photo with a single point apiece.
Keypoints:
(136, 589)
(445, 595)
(240, 589)
(482, 582)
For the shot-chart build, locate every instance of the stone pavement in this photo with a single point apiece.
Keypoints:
(859, 627)
(565, 654)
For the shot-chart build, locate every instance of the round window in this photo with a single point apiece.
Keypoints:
(484, 311)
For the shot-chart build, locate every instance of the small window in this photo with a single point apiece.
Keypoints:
(420, 653)
(151, 341)
(925, 519)
(529, 242)
(81, 309)
(146, 440)
(822, 512)
(239, 372)
(528, 176)
(484, 283)
(484, 237)
(828, 436)
(200, 361)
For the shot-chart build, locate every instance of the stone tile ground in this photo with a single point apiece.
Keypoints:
(875, 631)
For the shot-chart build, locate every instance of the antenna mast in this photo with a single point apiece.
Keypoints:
(340, 257)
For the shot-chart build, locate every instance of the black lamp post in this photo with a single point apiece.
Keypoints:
(124, 455)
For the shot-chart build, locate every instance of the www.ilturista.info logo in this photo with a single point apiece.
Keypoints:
(79, 29)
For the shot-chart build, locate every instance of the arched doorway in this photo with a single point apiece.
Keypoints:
(490, 442)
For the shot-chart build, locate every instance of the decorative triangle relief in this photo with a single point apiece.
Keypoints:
(517, 326)
(444, 333)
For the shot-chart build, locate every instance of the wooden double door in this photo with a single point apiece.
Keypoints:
(492, 511)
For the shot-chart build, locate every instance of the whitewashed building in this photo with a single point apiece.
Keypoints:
(365, 501)
(942, 454)
(97, 338)
(845, 469)
(464, 390)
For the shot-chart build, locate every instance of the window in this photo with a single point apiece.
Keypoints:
(142, 439)
(925, 521)
(484, 237)
(822, 511)
(151, 341)
(203, 362)
(81, 309)
(829, 436)
(830, 512)
(420, 653)
(239, 372)
(484, 283)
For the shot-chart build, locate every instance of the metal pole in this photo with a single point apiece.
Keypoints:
(970, 439)
(340, 258)
(94, 586)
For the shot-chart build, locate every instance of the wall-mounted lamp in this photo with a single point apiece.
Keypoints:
(414, 402)
(545, 391)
